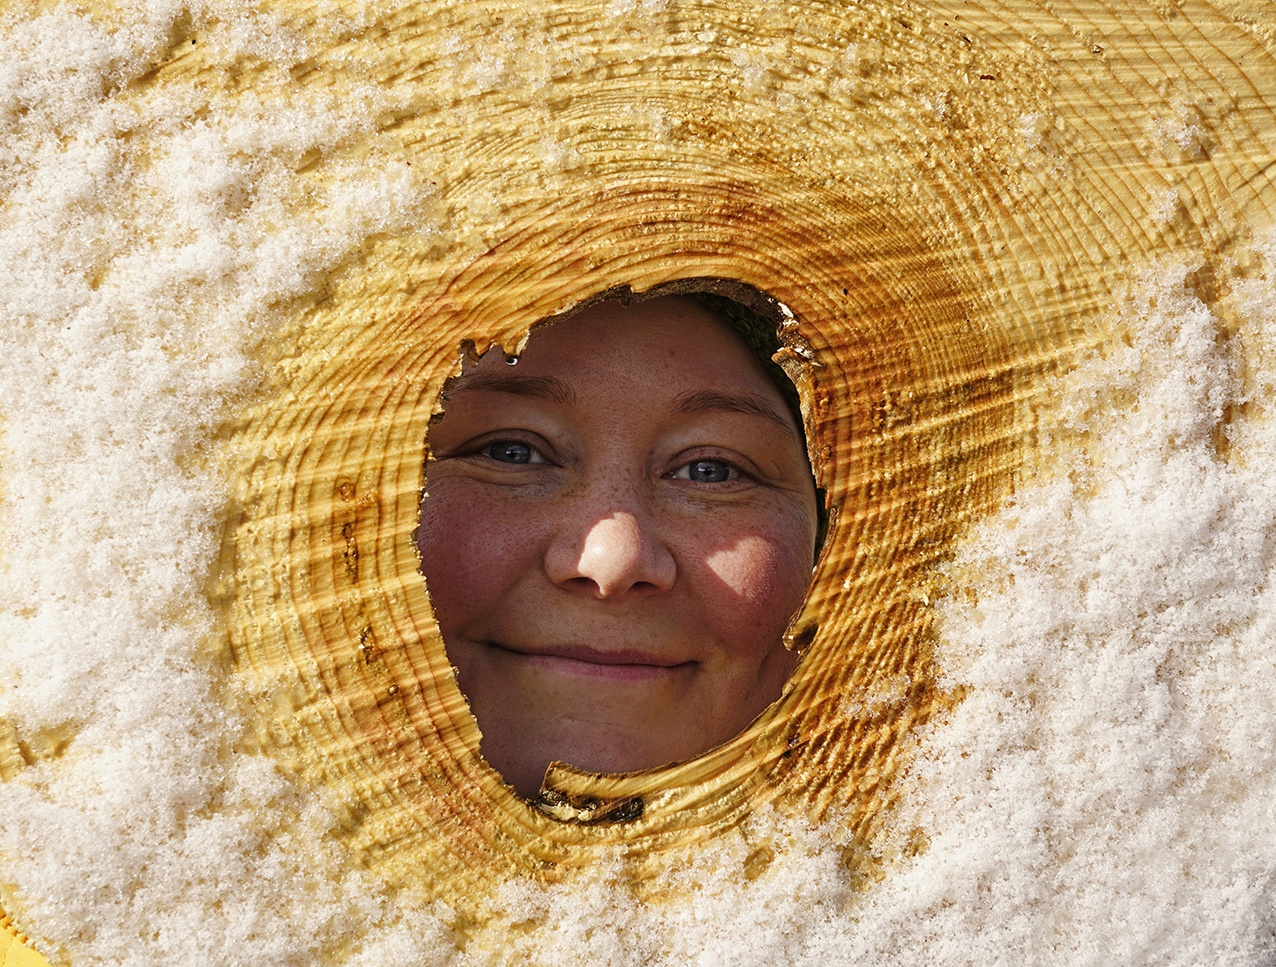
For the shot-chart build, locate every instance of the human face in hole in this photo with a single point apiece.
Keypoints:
(618, 529)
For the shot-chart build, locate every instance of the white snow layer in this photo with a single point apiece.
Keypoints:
(1104, 795)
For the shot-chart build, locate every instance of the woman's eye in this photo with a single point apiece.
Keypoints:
(511, 451)
(706, 471)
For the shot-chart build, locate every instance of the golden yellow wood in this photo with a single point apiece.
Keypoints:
(14, 951)
(947, 197)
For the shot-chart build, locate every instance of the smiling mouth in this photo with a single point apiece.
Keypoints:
(624, 664)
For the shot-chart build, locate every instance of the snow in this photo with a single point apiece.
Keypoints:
(1103, 795)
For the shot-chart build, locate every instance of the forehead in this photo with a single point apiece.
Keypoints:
(652, 345)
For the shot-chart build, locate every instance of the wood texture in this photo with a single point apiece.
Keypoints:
(946, 198)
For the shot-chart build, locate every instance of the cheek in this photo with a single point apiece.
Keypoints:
(760, 580)
(471, 552)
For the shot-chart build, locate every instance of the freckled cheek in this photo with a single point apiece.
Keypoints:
(760, 579)
(473, 549)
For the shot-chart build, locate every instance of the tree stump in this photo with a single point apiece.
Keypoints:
(945, 198)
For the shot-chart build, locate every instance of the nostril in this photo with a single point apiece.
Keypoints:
(616, 554)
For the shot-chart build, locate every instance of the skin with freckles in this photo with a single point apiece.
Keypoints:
(617, 530)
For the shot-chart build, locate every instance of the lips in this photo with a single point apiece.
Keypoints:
(624, 663)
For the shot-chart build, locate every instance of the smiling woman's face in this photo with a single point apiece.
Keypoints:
(618, 529)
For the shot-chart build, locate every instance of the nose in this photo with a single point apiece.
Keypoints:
(611, 556)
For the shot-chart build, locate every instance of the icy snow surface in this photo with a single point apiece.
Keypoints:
(1104, 795)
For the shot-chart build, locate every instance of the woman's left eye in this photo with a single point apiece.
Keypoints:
(511, 451)
(706, 471)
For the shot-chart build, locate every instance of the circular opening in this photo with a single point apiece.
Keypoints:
(617, 527)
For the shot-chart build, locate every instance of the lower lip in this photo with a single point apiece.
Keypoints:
(623, 672)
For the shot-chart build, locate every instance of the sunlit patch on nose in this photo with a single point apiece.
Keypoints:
(616, 555)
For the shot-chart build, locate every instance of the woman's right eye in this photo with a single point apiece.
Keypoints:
(511, 451)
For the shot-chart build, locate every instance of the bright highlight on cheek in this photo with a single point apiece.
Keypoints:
(748, 568)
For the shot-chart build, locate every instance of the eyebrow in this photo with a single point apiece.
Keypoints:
(698, 401)
(537, 387)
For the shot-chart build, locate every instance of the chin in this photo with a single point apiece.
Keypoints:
(525, 768)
